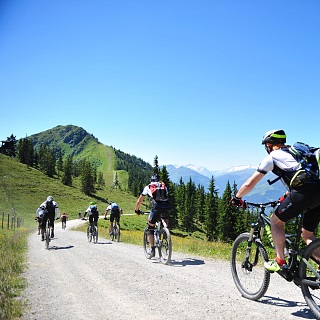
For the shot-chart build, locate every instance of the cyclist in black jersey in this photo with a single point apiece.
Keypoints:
(305, 198)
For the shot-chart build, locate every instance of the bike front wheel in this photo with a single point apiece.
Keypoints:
(165, 246)
(248, 272)
(146, 243)
(310, 276)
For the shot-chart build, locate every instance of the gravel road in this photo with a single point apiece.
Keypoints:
(75, 280)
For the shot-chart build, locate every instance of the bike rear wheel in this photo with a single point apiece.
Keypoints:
(89, 235)
(146, 243)
(95, 234)
(248, 272)
(116, 232)
(309, 272)
(47, 235)
(165, 246)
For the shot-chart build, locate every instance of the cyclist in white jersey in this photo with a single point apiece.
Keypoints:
(292, 203)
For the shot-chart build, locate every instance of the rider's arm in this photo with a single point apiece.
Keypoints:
(139, 201)
(249, 184)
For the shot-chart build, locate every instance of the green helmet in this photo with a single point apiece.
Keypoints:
(92, 203)
(274, 137)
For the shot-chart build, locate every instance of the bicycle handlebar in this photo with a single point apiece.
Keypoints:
(263, 205)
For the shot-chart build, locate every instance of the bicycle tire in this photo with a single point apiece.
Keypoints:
(116, 232)
(95, 234)
(146, 243)
(63, 225)
(311, 289)
(47, 235)
(165, 246)
(89, 236)
(250, 277)
(112, 235)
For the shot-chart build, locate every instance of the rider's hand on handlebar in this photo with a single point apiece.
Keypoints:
(238, 202)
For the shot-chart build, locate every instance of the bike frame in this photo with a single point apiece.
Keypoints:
(292, 242)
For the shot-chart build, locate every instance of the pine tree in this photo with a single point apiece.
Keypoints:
(164, 176)
(87, 180)
(211, 211)
(227, 218)
(67, 171)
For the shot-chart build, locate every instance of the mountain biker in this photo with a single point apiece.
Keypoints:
(39, 220)
(115, 212)
(305, 198)
(159, 208)
(93, 214)
(48, 210)
(64, 219)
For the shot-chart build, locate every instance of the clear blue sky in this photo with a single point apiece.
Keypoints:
(194, 82)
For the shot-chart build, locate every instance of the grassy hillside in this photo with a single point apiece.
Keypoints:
(22, 189)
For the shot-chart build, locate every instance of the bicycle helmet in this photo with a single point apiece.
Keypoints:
(274, 137)
(154, 178)
(50, 199)
(92, 203)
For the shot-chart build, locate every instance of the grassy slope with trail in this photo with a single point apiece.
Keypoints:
(23, 188)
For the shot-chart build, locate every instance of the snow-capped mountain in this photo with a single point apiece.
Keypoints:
(202, 176)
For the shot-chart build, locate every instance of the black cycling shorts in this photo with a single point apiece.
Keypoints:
(307, 199)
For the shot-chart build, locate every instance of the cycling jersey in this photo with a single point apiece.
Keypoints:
(282, 164)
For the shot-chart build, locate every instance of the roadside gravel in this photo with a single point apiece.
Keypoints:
(75, 280)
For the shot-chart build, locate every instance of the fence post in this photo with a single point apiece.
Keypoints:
(2, 219)
(8, 221)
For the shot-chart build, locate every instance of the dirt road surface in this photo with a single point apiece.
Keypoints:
(76, 279)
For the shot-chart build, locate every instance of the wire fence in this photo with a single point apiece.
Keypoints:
(11, 221)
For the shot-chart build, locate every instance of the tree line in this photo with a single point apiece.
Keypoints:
(194, 209)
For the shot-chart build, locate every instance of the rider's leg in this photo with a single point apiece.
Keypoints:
(151, 234)
(278, 236)
(307, 236)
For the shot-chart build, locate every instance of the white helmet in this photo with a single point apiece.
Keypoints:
(50, 199)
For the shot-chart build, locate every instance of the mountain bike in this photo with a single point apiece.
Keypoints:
(92, 232)
(249, 253)
(63, 225)
(162, 241)
(115, 231)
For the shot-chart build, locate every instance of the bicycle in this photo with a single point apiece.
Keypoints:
(162, 241)
(64, 225)
(249, 254)
(92, 232)
(115, 231)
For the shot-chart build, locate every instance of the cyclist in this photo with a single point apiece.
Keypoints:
(39, 220)
(93, 214)
(64, 219)
(48, 210)
(157, 193)
(115, 212)
(296, 200)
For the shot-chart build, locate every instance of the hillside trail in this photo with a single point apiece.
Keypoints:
(76, 279)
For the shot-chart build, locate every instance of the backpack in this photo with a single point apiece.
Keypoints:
(115, 210)
(309, 159)
(158, 191)
(93, 210)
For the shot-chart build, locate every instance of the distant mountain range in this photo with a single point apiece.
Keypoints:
(201, 175)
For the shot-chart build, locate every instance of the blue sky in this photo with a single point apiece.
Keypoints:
(193, 82)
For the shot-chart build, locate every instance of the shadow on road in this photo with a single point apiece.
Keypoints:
(186, 262)
(60, 248)
(304, 312)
